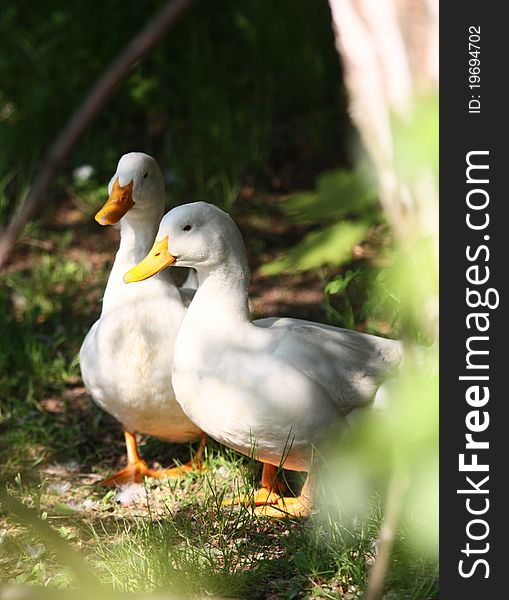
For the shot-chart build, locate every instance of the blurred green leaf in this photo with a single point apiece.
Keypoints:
(337, 193)
(340, 282)
(330, 246)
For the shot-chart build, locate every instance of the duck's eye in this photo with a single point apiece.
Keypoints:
(186, 228)
(145, 176)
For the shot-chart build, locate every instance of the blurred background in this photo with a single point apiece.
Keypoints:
(329, 167)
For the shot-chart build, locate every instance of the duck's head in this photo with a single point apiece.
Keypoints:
(137, 185)
(197, 235)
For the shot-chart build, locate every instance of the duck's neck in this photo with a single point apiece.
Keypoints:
(137, 234)
(221, 301)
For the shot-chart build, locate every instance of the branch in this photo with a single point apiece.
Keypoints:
(100, 93)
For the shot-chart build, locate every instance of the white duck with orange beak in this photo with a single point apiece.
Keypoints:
(126, 357)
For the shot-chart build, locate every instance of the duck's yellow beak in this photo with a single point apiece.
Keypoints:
(119, 202)
(157, 259)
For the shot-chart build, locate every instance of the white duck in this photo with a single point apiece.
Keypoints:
(127, 355)
(276, 386)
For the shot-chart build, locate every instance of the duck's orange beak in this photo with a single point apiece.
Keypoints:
(117, 205)
(156, 260)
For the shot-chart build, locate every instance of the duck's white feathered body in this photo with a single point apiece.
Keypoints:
(276, 387)
(127, 355)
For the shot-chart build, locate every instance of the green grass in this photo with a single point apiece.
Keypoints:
(176, 537)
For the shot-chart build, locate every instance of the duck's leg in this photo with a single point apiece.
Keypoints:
(269, 493)
(196, 464)
(136, 466)
(295, 507)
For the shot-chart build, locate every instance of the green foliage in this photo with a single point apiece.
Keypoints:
(338, 287)
(384, 301)
(404, 291)
(416, 140)
(331, 245)
(337, 194)
(401, 441)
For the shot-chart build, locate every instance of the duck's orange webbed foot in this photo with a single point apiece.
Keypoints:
(269, 493)
(291, 507)
(285, 507)
(133, 473)
(137, 468)
(260, 498)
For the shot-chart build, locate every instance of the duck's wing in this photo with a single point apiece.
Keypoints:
(349, 365)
